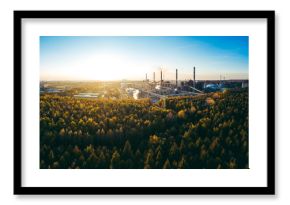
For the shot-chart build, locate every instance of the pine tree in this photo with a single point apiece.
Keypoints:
(166, 165)
(115, 160)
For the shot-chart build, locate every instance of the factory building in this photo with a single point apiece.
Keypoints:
(162, 89)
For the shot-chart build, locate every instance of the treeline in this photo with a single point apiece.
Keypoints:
(209, 131)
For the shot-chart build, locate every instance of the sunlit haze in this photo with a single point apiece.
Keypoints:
(131, 57)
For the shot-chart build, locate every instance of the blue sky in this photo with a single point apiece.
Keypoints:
(131, 57)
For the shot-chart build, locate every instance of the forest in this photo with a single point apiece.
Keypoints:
(195, 132)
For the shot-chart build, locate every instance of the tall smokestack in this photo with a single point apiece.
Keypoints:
(154, 77)
(146, 76)
(194, 77)
(161, 78)
(176, 76)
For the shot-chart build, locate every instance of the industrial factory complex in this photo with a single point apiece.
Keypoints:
(162, 89)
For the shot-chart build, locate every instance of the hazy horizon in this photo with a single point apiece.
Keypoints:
(115, 58)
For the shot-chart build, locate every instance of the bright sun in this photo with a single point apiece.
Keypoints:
(106, 67)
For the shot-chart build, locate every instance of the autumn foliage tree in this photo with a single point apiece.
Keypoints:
(207, 131)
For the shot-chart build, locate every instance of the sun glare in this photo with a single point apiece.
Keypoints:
(105, 67)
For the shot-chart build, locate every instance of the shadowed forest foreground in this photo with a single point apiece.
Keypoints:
(208, 131)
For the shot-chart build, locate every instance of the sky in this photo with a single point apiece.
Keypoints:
(131, 57)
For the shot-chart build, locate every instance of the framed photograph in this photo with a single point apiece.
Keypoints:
(144, 102)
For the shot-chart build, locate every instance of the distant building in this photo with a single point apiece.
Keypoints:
(211, 87)
(245, 84)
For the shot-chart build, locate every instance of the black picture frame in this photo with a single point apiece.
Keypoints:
(268, 190)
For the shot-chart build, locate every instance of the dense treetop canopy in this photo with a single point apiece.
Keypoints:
(207, 131)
